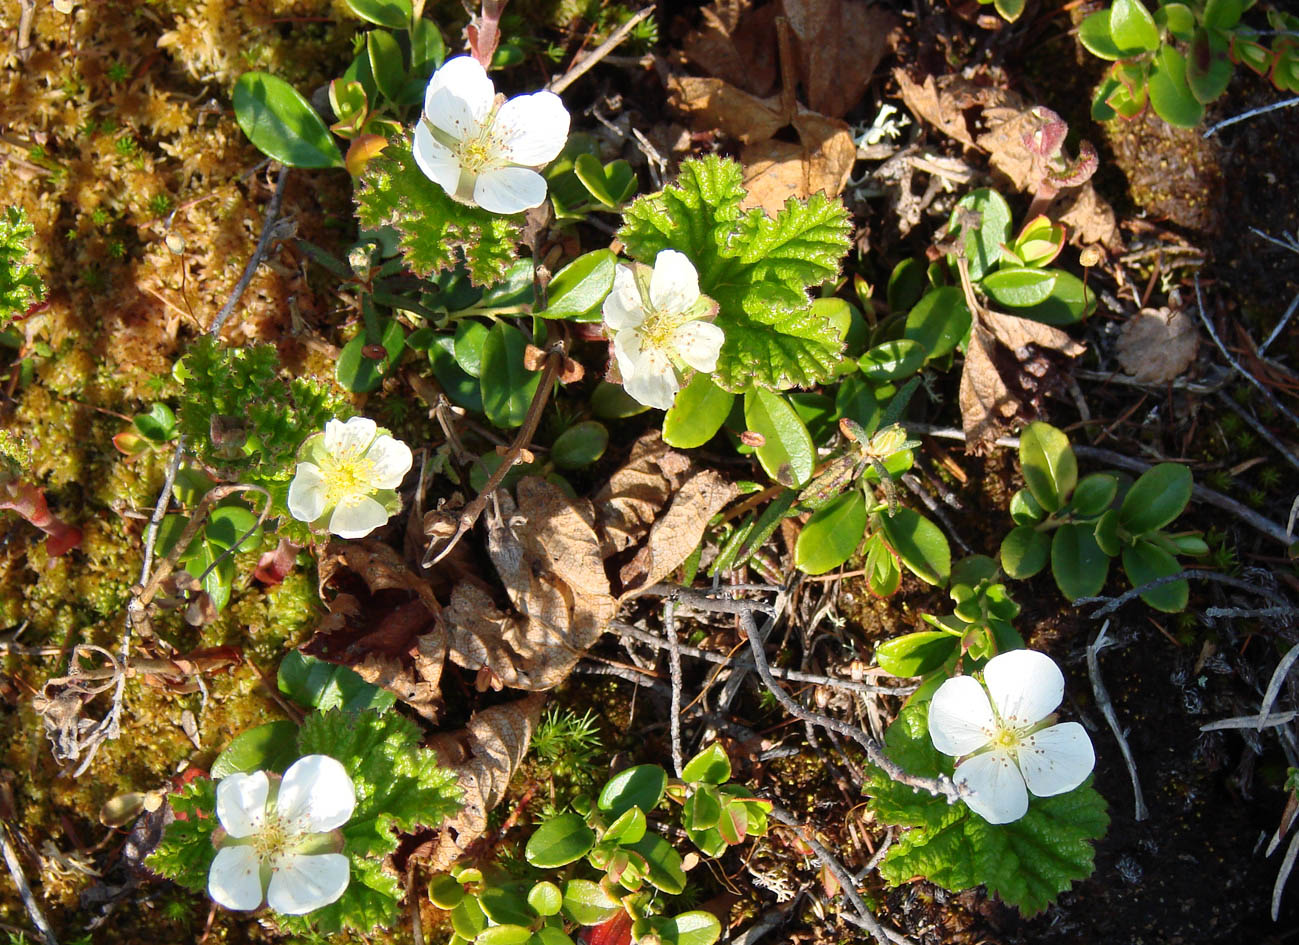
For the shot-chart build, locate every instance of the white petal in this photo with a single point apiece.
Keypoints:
(437, 162)
(647, 374)
(304, 882)
(1025, 686)
(459, 97)
(307, 493)
(532, 128)
(698, 343)
(392, 460)
(1056, 759)
(241, 803)
(623, 307)
(997, 788)
(960, 717)
(356, 516)
(352, 438)
(509, 190)
(316, 795)
(235, 877)
(674, 286)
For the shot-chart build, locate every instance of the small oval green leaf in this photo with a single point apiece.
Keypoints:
(507, 386)
(1156, 498)
(697, 414)
(642, 786)
(281, 123)
(920, 544)
(832, 534)
(1077, 562)
(1019, 286)
(587, 903)
(1024, 552)
(939, 321)
(665, 871)
(1143, 563)
(269, 747)
(892, 360)
(578, 289)
(915, 654)
(711, 766)
(1132, 28)
(787, 454)
(580, 445)
(394, 14)
(1048, 464)
(559, 841)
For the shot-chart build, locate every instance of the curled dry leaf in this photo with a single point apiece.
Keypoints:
(737, 43)
(840, 44)
(387, 628)
(995, 121)
(1157, 345)
(484, 756)
(1008, 368)
(635, 495)
(774, 171)
(549, 558)
(678, 532)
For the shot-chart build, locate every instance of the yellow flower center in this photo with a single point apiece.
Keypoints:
(345, 476)
(480, 153)
(1006, 738)
(272, 838)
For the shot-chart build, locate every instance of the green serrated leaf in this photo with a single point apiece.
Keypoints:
(758, 268)
(185, 852)
(436, 231)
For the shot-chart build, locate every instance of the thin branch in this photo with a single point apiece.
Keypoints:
(1103, 702)
(942, 785)
(866, 918)
(1222, 349)
(674, 666)
(1252, 113)
(1272, 439)
(586, 63)
(549, 373)
(25, 891)
(263, 245)
(790, 675)
(1112, 604)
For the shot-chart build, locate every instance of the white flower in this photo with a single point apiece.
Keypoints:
(279, 838)
(1009, 743)
(349, 473)
(658, 322)
(480, 148)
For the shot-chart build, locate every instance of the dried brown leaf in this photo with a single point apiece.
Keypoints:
(678, 532)
(484, 756)
(715, 104)
(941, 103)
(840, 45)
(635, 495)
(1004, 373)
(1157, 345)
(738, 44)
(774, 171)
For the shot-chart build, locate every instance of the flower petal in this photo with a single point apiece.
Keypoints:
(997, 792)
(647, 372)
(1025, 686)
(392, 460)
(1056, 759)
(307, 493)
(235, 878)
(622, 307)
(352, 438)
(960, 717)
(316, 795)
(241, 803)
(305, 882)
(698, 343)
(532, 129)
(356, 516)
(509, 190)
(674, 286)
(459, 97)
(436, 161)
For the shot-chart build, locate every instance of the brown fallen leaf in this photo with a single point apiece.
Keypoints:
(840, 44)
(1007, 368)
(1157, 345)
(678, 532)
(547, 553)
(483, 755)
(632, 499)
(737, 43)
(774, 171)
(995, 122)
(714, 103)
